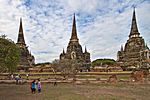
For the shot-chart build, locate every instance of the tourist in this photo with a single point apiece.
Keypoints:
(12, 76)
(39, 86)
(27, 75)
(33, 86)
(17, 79)
(20, 79)
(55, 83)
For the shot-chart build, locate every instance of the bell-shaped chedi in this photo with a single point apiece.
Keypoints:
(135, 53)
(26, 58)
(74, 49)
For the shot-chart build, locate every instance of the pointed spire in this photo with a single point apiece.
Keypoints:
(30, 52)
(20, 35)
(121, 48)
(63, 51)
(146, 46)
(134, 28)
(85, 50)
(74, 30)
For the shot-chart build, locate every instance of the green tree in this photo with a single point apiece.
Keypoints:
(101, 62)
(9, 55)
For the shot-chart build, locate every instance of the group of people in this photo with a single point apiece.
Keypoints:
(18, 78)
(36, 85)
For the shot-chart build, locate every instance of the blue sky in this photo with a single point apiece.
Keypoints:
(102, 25)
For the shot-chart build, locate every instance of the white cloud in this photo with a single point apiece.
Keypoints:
(103, 26)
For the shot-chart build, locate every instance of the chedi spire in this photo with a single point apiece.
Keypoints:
(21, 35)
(74, 36)
(134, 29)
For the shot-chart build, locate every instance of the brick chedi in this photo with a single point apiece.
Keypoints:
(74, 50)
(26, 59)
(136, 53)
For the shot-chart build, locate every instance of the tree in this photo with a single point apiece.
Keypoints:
(67, 67)
(9, 55)
(101, 62)
(55, 65)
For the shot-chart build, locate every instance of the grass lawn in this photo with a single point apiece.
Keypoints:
(120, 91)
